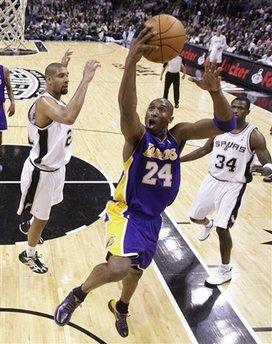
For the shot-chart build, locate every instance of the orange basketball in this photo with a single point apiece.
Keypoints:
(170, 38)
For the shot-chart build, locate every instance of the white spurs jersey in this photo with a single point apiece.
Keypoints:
(51, 145)
(232, 156)
(218, 43)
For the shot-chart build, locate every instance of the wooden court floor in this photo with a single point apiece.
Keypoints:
(97, 139)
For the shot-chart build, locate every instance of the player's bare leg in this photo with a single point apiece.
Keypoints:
(224, 273)
(112, 271)
(120, 308)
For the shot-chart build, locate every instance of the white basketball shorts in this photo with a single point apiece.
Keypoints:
(214, 195)
(215, 56)
(40, 190)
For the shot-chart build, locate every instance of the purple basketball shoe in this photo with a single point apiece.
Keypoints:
(65, 309)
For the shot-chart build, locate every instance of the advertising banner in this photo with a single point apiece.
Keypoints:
(236, 69)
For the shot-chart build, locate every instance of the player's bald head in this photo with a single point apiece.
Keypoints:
(166, 103)
(53, 69)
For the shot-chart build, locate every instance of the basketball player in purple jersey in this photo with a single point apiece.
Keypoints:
(149, 183)
(5, 83)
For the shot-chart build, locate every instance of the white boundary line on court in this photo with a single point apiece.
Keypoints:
(66, 182)
(233, 306)
(174, 304)
(76, 230)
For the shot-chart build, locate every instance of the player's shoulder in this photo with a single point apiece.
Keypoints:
(45, 101)
(256, 138)
(178, 130)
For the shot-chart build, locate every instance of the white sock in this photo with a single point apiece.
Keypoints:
(31, 220)
(30, 251)
(210, 224)
(226, 266)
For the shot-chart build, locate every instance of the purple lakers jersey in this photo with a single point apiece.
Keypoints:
(151, 176)
(2, 85)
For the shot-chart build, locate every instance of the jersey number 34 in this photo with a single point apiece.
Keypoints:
(230, 164)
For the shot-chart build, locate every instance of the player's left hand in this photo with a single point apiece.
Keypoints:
(11, 109)
(210, 80)
(66, 58)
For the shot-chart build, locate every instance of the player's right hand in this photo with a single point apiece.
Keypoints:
(210, 80)
(139, 44)
(89, 70)
(66, 58)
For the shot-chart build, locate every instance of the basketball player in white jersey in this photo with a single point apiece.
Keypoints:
(222, 189)
(217, 45)
(43, 175)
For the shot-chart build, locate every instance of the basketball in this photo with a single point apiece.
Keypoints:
(170, 38)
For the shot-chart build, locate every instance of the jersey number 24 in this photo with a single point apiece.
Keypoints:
(155, 173)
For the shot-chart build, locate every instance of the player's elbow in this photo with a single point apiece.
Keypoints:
(70, 121)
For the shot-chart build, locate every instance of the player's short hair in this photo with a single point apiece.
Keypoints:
(243, 99)
(52, 68)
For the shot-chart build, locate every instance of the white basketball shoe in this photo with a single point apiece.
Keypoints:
(223, 275)
(205, 231)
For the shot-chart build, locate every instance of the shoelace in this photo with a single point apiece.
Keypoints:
(122, 317)
(37, 260)
(72, 304)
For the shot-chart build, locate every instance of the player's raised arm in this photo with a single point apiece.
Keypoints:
(199, 152)
(223, 121)
(47, 108)
(131, 126)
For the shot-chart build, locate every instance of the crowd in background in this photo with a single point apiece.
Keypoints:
(247, 26)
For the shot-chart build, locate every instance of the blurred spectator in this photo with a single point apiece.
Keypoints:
(217, 45)
(246, 25)
(231, 48)
(267, 58)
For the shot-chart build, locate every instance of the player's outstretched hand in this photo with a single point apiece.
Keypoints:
(210, 80)
(66, 58)
(89, 70)
(139, 44)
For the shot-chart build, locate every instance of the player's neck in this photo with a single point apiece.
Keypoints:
(240, 127)
(161, 135)
(54, 94)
